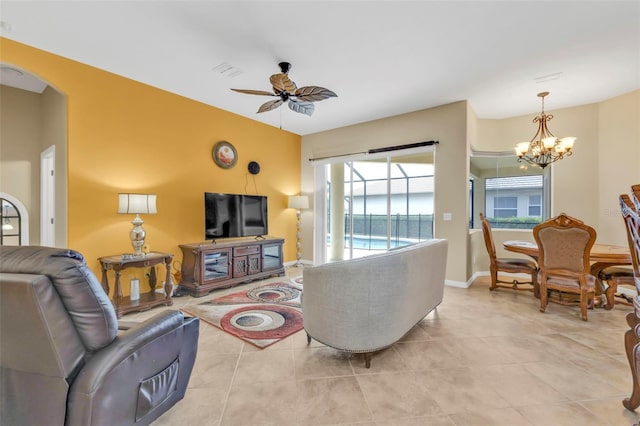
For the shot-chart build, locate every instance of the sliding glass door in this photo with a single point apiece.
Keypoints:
(374, 204)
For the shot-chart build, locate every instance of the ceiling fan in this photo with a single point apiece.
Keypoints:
(300, 98)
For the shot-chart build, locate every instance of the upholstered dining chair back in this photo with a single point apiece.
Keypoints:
(564, 248)
(564, 243)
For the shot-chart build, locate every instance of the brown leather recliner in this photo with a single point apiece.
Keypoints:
(63, 360)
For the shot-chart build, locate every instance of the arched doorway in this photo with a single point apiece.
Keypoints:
(15, 221)
(33, 116)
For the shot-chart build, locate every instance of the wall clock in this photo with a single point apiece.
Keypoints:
(224, 155)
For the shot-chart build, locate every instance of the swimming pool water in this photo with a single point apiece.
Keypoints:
(374, 243)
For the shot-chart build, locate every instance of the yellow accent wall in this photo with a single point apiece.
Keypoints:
(125, 136)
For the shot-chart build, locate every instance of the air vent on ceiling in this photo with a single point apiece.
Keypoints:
(228, 70)
(548, 77)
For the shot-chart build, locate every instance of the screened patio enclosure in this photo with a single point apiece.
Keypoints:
(378, 204)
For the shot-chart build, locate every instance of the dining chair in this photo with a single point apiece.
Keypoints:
(507, 265)
(630, 208)
(564, 246)
(616, 276)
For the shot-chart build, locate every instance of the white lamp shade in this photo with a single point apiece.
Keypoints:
(137, 203)
(298, 202)
(549, 142)
(568, 142)
(522, 148)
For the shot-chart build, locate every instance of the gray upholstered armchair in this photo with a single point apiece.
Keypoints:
(62, 359)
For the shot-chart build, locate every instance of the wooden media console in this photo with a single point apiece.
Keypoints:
(208, 266)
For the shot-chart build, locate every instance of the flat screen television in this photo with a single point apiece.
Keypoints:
(234, 215)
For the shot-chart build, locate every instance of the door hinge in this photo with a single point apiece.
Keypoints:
(52, 221)
(51, 172)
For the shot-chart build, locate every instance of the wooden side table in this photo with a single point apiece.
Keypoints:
(148, 300)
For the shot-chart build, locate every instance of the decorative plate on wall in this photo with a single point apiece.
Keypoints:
(224, 155)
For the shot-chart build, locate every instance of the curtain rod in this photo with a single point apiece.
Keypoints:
(378, 150)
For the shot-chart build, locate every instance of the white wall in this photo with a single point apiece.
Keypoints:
(605, 163)
(618, 161)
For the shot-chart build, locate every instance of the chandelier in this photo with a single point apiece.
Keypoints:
(544, 148)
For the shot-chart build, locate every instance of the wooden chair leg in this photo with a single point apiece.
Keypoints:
(494, 279)
(584, 301)
(536, 285)
(631, 342)
(544, 295)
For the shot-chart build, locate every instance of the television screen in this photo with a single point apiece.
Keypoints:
(234, 215)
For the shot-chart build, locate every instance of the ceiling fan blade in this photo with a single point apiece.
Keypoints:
(282, 84)
(254, 92)
(268, 106)
(301, 107)
(314, 93)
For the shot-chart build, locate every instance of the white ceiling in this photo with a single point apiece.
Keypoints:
(382, 58)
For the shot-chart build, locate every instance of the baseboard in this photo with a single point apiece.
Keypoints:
(458, 284)
(461, 284)
(293, 263)
(450, 283)
(466, 284)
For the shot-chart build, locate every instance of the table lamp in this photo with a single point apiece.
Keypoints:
(298, 202)
(137, 204)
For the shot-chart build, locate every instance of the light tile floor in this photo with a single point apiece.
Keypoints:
(481, 358)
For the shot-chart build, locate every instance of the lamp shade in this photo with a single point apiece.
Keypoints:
(137, 203)
(298, 202)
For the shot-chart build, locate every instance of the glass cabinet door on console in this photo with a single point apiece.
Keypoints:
(271, 256)
(215, 265)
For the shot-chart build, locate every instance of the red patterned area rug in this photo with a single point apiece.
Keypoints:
(261, 316)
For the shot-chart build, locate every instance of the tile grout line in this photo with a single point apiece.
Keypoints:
(233, 378)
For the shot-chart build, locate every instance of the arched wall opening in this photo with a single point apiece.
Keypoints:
(33, 118)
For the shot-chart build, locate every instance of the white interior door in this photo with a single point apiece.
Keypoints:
(47, 197)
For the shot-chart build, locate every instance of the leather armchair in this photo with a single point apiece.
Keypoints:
(63, 360)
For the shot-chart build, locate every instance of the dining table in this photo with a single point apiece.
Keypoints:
(601, 256)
